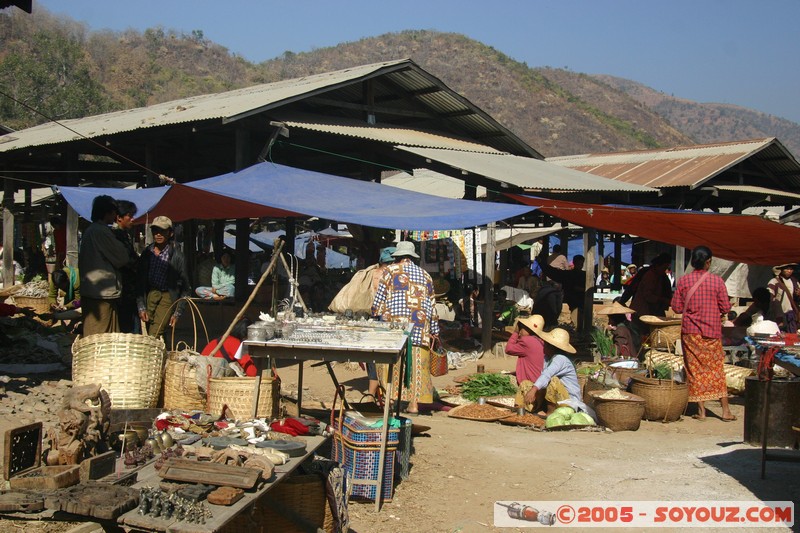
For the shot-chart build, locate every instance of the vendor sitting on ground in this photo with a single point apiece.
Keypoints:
(232, 346)
(67, 283)
(624, 340)
(558, 380)
(528, 348)
(223, 277)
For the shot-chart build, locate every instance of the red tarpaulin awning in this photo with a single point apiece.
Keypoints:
(742, 238)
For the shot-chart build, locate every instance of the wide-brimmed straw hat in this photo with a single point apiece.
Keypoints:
(405, 248)
(615, 308)
(534, 322)
(777, 269)
(556, 337)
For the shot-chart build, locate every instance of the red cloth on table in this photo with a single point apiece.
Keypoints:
(290, 426)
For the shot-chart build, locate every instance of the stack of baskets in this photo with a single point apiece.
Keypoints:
(618, 414)
(181, 390)
(665, 399)
(237, 395)
(127, 366)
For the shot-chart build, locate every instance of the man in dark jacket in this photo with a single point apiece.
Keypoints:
(161, 279)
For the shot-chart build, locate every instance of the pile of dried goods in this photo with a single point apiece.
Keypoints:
(481, 411)
(528, 419)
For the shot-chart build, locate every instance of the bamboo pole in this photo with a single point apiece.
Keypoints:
(275, 255)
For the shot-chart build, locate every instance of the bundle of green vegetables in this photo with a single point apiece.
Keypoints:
(566, 416)
(484, 385)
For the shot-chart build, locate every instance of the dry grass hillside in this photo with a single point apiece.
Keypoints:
(62, 70)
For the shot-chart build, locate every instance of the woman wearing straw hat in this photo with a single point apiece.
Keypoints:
(528, 349)
(558, 380)
(624, 339)
(785, 290)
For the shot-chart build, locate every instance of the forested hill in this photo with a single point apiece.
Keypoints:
(62, 70)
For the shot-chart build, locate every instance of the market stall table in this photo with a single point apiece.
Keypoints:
(222, 515)
(784, 353)
(360, 342)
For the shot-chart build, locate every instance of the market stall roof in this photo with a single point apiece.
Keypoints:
(524, 172)
(411, 90)
(428, 182)
(744, 238)
(352, 201)
(390, 134)
(271, 190)
(689, 166)
(178, 202)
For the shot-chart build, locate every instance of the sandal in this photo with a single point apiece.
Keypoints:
(700, 418)
(731, 418)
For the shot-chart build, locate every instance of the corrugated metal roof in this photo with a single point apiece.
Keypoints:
(429, 182)
(757, 190)
(405, 82)
(226, 106)
(525, 172)
(684, 166)
(404, 136)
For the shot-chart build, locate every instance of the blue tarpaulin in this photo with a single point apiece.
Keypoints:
(268, 189)
(353, 201)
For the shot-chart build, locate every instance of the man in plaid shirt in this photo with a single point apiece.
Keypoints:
(702, 298)
(405, 293)
(162, 279)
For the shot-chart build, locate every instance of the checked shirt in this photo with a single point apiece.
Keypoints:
(405, 291)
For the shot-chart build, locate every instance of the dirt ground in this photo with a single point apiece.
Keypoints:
(460, 468)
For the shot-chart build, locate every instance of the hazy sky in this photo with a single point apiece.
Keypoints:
(728, 51)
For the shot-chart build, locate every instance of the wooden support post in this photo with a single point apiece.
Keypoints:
(488, 289)
(585, 315)
(8, 233)
(72, 237)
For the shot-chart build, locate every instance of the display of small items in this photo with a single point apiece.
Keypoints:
(160, 504)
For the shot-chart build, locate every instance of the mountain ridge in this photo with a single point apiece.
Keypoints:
(58, 67)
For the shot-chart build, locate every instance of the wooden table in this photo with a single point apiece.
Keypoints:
(388, 353)
(761, 346)
(222, 514)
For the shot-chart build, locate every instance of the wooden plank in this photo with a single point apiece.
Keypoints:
(132, 520)
(210, 473)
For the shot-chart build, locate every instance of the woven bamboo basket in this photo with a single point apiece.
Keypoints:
(40, 305)
(665, 337)
(180, 384)
(664, 399)
(237, 395)
(295, 505)
(734, 375)
(593, 385)
(127, 366)
(623, 375)
(619, 415)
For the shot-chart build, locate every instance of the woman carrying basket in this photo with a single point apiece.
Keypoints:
(702, 299)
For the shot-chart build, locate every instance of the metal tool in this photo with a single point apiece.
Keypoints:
(528, 513)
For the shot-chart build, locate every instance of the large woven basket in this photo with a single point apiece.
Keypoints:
(127, 366)
(295, 505)
(237, 395)
(664, 399)
(619, 415)
(665, 337)
(181, 390)
(40, 306)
